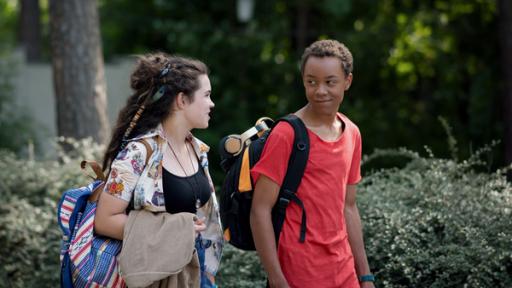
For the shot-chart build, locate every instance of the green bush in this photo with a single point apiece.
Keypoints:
(438, 223)
(29, 235)
(240, 269)
(433, 223)
(29, 244)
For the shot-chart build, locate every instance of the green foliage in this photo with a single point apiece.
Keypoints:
(417, 60)
(29, 243)
(433, 223)
(240, 269)
(413, 61)
(438, 223)
(29, 191)
(8, 19)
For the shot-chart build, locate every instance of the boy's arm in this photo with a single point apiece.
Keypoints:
(264, 198)
(355, 235)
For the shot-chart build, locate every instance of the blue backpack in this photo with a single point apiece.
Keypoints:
(87, 259)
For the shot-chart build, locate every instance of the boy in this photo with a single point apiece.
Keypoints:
(333, 253)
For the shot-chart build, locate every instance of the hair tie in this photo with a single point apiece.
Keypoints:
(158, 94)
(165, 70)
(132, 125)
(161, 91)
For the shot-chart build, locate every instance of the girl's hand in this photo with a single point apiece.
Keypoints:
(199, 225)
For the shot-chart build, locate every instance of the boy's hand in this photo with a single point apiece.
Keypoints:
(279, 283)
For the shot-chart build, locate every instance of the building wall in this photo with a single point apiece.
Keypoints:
(34, 93)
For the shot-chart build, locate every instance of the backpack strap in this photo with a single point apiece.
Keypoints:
(149, 150)
(96, 168)
(296, 167)
(99, 176)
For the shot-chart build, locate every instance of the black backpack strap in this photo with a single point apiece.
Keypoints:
(294, 173)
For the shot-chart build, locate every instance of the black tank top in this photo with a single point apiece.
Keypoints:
(180, 192)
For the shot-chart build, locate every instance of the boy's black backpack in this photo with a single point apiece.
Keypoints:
(239, 153)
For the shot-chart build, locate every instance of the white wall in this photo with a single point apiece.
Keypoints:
(33, 92)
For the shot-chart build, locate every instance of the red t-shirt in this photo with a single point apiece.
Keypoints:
(325, 259)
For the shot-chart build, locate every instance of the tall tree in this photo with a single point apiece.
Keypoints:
(30, 29)
(78, 72)
(505, 10)
(302, 26)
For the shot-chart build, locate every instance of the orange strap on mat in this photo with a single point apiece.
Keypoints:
(227, 235)
(244, 182)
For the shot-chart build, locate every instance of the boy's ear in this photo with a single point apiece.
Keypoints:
(348, 81)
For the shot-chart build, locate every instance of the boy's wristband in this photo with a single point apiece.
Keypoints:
(367, 278)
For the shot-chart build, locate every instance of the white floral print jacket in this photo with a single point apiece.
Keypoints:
(129, 177)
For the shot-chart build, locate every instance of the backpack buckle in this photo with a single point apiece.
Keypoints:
(283, 201)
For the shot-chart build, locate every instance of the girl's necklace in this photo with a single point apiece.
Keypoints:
(194, 188)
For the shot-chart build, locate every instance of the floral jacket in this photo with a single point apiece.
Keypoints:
(129, 177)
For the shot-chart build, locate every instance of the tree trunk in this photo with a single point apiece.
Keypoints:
(505, 17)
(30, 29)
(302, 26)
(78, 72)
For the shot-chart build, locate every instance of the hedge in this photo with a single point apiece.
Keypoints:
(433, 223)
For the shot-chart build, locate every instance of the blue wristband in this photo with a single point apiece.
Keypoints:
(367, 278)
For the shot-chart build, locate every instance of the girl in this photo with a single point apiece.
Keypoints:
(172, 97)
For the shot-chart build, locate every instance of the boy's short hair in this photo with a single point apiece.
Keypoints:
(329, 48)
